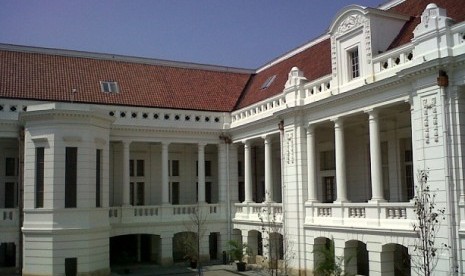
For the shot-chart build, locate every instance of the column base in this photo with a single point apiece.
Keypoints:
(376, 201)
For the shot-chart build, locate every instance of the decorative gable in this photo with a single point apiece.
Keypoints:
(430, 35)
(357, 34)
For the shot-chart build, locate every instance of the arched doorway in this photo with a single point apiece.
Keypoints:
(356, 258)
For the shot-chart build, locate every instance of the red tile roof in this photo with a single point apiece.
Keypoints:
(52, 77)
(315, 61)
(27, 75)
(414, 8)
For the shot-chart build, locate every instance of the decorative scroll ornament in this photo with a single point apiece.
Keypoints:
(290, 148)
(427, 106)
(350, 22)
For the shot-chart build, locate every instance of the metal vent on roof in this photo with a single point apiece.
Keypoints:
(268, 82)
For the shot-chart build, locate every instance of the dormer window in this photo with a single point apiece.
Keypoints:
(354, 63)
(109, 86)
(268, 82)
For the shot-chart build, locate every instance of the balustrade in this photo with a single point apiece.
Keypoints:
(169, 213)
(395, 215)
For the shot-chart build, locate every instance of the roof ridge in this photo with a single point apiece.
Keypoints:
(122, 58)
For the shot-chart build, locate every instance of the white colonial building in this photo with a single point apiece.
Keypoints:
(104, 158)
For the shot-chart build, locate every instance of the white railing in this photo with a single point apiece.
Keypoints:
(258, 212)
(262, 109)
(458, 38)
(318, 89)
(9, 217)
(168, 213)
(389, 63)
(395, 215)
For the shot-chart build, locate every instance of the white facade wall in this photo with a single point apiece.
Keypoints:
(417, 116)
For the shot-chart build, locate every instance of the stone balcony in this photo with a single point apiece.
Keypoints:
(381, 215)
(163, 213)
(258, 212)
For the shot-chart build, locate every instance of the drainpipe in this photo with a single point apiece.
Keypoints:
(20, 198)
(443, 82)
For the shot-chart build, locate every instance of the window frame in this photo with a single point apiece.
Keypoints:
(109, 87)
(353, 55)
(39, 177)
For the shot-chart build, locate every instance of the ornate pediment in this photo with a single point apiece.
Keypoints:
(352, 21)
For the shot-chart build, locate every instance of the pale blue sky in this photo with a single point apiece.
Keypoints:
(236, 33)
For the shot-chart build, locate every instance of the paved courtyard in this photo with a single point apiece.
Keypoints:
(181, 270)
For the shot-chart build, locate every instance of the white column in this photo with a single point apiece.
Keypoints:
(126, 180)
(248, 171)
(375, 157)
(311, 165)
(201, 172)
(340, 160)
(164, 174)
(222, 173)
(268, 170)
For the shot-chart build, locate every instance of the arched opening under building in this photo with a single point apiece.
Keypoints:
(135, 249)
(7, 254)
(396, 259)
(356, 258)
(255, 243)
(322, 255)
(185, 246)
(276, 249)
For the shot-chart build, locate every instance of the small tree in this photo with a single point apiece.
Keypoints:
(271, 225)
(427, 226)
(237, 252)
(197, 225)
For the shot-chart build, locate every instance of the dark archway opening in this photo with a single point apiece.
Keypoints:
(134, 249)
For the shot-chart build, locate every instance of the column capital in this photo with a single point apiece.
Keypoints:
(267, 138)
(165, 143)
(310, 128)
(201, 145)
(372, 112)
(336, 120)
(126, 142)
(246, 142)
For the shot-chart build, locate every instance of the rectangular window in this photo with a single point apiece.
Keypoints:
(208, 168)
(240, 169)
(132, 193)
(174, 168)
(10, 166)
(327, 160)
(174, 191)
(131, 167)
(329, 189)
(10, 195)
(385, 169)
(109, 86)
(409, 176)
(98, 178)
(71, 177)
(137, 193)
(39, 189)
(140, 168)
(354, 63)
(241, 191)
